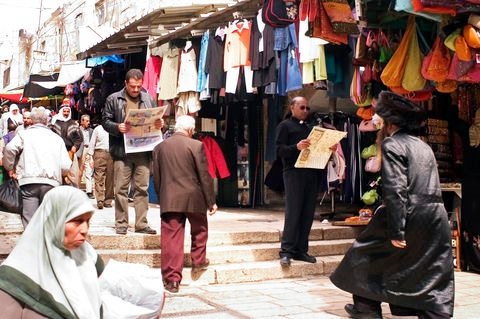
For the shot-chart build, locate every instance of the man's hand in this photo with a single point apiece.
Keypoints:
(124, 127)
(212, 210)
(159, 123)
(12, 174)
(303, 144)
(399, 243)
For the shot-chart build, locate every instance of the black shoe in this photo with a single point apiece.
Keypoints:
(305, 257)
(146, 230)
(172, 286)
(355, 314)
(285, 261)
(90, 195)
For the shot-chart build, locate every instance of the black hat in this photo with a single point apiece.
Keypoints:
(398, 110)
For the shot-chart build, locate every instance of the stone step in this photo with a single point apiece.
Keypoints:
(216, 238)
(259, 271)
(230, 254)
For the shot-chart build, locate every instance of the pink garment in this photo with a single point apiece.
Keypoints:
(152, 74)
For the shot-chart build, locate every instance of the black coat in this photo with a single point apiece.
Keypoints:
(420, 276)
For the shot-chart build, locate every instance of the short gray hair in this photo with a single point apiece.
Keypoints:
(184, 122)
(39, 115)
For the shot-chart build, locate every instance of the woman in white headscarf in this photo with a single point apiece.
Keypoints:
(53, 272)
(13, 116)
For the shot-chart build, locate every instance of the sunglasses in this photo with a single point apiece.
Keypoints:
(304, 107)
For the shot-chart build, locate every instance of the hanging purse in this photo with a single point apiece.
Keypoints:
(392, 74)
(412, 78)
(436, 63)
(323, 29)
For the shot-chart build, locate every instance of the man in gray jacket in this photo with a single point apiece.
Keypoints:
(129, 166)
(41, 161)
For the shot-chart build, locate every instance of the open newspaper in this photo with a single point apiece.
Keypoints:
(143, 136)
(319, 152)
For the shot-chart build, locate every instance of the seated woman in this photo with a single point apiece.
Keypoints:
(53, 272)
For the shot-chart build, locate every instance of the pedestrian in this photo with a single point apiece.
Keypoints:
(131, 166)
(52, 272)
(85, 161)
(13, 116)
(404, 255)
(301, 184)
(103, 167)
(68, 129)
(27, 121)
(38, 159)
(185, 191)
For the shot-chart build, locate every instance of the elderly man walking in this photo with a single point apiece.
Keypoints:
(185, 190)
(42, 161)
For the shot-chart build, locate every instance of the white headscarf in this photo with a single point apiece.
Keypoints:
(40, 267)
(59, 116)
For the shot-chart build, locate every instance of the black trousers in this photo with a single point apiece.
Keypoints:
(368, 305)
(301, 190)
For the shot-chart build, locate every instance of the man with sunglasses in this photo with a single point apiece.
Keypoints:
(301, 184)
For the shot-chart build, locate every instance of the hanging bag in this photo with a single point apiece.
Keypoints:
(436, 63)
(279, 13)
(392, 74)
(412, 78)
(323, 29)
(360, 92)
(10, 197)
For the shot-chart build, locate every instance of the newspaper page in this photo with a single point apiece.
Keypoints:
(319, 152)
(143, 136)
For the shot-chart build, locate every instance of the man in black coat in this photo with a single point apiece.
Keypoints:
(404, 256)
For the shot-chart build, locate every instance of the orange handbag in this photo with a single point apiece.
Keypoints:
(323, 29)
(436, 64)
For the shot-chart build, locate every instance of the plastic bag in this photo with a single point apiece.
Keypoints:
(131, 291)
(10, 197)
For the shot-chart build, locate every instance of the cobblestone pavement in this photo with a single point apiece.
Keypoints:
(309, 297)
(314, 297)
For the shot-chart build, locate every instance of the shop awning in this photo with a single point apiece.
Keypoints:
(178, 19)
(70, 72)
(33, 90)
(14, 96)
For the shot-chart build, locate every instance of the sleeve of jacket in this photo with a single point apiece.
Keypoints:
(284, 149)
(157, 177)
(206, 181)
(394, 187)
(65, 161)
(12, 150)
(108, 116)
(77, 137)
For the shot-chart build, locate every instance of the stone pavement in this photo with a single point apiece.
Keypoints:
(308, 297)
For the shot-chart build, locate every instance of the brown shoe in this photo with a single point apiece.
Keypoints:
(172, 286)
(107, 205)
(146, 230)
(198, 270)
(100, 205)
(121, 230)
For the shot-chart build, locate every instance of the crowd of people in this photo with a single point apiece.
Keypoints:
(403, 257)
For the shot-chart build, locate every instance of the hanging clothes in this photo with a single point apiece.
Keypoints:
(152, 74)
(262, 54)
(214, 65)
(167, 84)
(187, 102)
